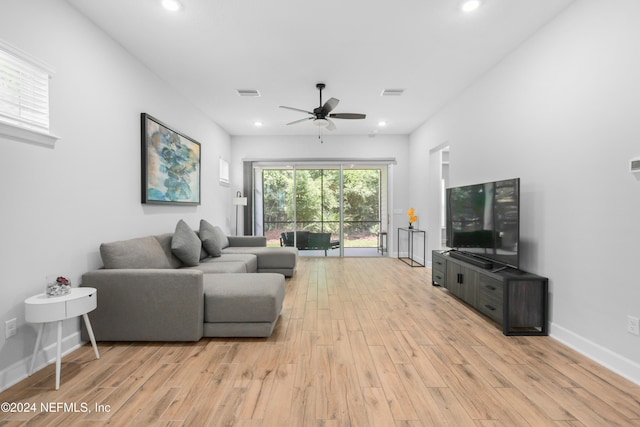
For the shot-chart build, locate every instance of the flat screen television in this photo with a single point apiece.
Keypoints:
(483, 221)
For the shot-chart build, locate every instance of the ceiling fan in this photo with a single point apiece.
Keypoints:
(321, 116)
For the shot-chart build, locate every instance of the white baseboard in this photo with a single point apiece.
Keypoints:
(17, 372)
(607, 358)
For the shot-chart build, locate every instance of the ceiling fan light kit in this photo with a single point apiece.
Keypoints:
(323, 123)
(321, 115)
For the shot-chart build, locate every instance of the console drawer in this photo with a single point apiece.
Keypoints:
(490, 286)
(438, 261)
(490, 297)
(438, 268)
(492, 307)
(437, 276)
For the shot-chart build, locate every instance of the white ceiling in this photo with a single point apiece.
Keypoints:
(283, 48)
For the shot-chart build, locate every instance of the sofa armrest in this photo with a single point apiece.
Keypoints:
(147, 304)
(247, 241)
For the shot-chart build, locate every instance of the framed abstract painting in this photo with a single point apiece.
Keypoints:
(170, 165)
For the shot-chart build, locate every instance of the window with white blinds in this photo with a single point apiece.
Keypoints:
(24, 92)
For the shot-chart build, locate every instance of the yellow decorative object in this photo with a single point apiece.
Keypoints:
(412, 217)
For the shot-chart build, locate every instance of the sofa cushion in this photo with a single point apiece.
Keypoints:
(142, 252)
(211, 240)
(219, 267)
(243, 297)
(268, 258)
(249, 260)
(165, 244)
(186, 244)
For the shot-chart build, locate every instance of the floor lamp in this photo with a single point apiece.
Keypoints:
(239, 201)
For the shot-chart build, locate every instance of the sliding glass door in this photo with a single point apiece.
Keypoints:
(323, 210)
(362, 209)
(275, 195)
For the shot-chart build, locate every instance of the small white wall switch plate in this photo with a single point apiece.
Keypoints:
(10, 328)
(633, 325)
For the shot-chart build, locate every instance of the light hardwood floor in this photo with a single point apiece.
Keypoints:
(361, 342)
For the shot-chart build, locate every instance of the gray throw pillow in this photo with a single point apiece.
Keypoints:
(142, 252)
(224, 240)
(210, 239)
(186, 245)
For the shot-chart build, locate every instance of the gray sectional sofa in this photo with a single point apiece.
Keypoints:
(186, 285)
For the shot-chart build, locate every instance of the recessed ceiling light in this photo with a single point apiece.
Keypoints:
(257, 124)
(172, 5)
(382, 123)
(470, 5)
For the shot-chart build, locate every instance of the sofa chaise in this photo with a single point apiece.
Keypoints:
(186, 285)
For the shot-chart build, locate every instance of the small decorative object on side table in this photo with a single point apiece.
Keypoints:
(43, 309)
(57, 286)
(412, 217)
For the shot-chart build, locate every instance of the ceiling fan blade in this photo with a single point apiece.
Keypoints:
(300, 121)
(330, 125)
(297, 109)
(329, 106)
(353, 116)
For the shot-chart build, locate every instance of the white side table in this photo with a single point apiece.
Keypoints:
(42, 309)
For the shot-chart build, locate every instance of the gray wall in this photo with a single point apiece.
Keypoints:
(561, 112)
(58, 204)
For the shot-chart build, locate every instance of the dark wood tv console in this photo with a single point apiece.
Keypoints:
(515, 299)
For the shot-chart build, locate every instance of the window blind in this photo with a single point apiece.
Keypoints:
(24, 91)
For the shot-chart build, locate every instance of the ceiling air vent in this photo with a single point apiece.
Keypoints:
(248, 92)
(392, 92)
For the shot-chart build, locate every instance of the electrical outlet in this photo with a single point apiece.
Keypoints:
(10, 328)
(633, 325)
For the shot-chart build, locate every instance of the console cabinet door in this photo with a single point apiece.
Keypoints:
(462, 282)
(469, 286)
(452, 278)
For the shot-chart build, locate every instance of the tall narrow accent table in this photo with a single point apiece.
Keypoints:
(42, 309)
(411, 234)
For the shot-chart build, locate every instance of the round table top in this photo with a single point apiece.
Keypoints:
(74, 294)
